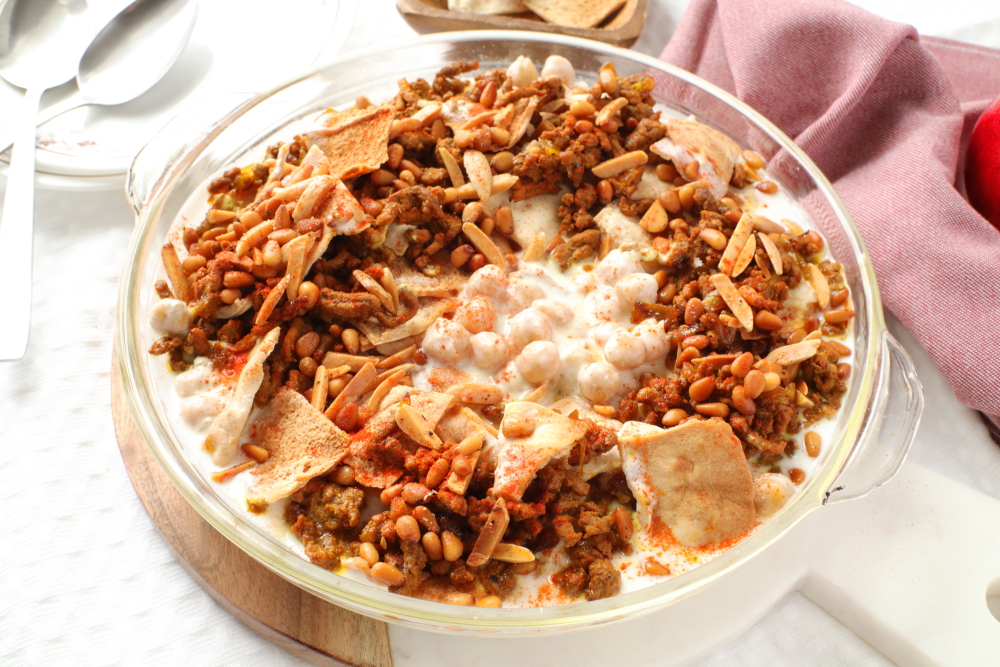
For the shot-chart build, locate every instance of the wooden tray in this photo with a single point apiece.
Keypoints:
(426, 16)
(298, 622)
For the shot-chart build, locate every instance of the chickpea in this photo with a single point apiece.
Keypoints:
(446, 341)
(521, 294)
(476, 316)
(489, 350)
(637, 288)
(654, 340)
(624, 350)
(559, 66)
(503, 161)
(771, 492)
(599, 382)
(528, 326)
(539, 361)
(307, 344)
(619, 263)
(489, 281)
(558, 313)
(522, 72)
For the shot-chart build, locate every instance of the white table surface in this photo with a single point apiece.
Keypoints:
(84, 577)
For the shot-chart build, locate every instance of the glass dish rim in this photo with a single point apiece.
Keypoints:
(427, 615)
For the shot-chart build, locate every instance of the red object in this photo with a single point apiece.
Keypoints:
(883, 112)
(982, 164)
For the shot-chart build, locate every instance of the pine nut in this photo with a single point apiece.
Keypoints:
(655, 568)
(461, 466)
(714, 238)
(368, 551)
(771, 381)
(693, 311)
(768, 321)
(491, 601)
(460, 599)
(674, 416)
(470, 445)
(581, 109)
(742, 402)
(387, 574)
(503, 161)
(426, 518)
(754, 384)
(258, 454)
(797, 476)
(343, 475)
(407, 529)
(742, 365)
(432, 546)
(437, 473)
(767, 187)
(700, 390)
(670, 201)
(389, 493)
(415, 493)
(395, 156)
(623, 524)
(838, 316)
(666, 172)
(712, 409)
(351, 340)
(230, 295)
(813, 443)
(307, 344)
(452, 547)
(237, 279)
(461, 255)
(504, 220)
(192, 263)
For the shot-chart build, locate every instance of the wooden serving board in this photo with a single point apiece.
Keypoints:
(297, 621)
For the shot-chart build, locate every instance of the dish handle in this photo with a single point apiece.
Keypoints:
(164, 154)
(889, 427)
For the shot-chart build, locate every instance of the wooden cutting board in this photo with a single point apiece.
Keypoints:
(295, 620)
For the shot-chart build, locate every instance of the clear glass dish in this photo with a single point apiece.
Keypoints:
(872, 430)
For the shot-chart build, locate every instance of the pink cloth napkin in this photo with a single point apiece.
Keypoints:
(885, 114)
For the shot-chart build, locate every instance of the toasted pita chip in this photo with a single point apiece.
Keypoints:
(431, 405)
(524, 109)
(458, 424)
(574, 13)
(441, 379)
(379, 334)
(457, 111)
(519, 459)
(716, 153)
(222, 440)
(368, 459)
(692, 479)
(302, 444)
(355, 142)
(447, 280)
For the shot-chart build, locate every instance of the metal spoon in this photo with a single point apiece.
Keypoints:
(126, 58)
(46, 40)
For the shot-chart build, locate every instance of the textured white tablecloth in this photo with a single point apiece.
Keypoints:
(84, 577)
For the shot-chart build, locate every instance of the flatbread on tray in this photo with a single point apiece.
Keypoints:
(692, 478)
(302, 444)
(355, 142)
(574, 13)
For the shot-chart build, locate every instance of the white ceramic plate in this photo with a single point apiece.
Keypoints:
(248, 46)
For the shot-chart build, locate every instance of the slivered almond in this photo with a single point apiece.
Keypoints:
(609, 110)
(480, 394)
(538, 393)
(222, 475)
(741, 309)
(520, 118)
(803, 401)
(175, 273)
(655, 220)
(503, 182)
(766, 225)
(511, 553)
(337, 371)
(484, 244)
(480, 174)
(478, 120)
(254, 237)
(354, 390)
(382, 389)
(793, 227)
(354, 362)
(536, 248)
(297, 249)
(815, 335)
(396, 359)
(746, 256)
(428, 114)
(374, 289)
(472, 415)
(617, 165)
(490, 535)
(271, 301)
(388, 281)
(460, 483)
(451, 166)
(772, 252)
(217, 216)
(321, 386)
(313, 196)
(384, 374)
(744, 228)
(416, 427)
(821, 285)
(795, 353)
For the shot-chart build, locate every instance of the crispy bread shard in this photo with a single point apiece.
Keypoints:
(518, 459)
(574, 13)
(355, 142)
(692, 478)
(378, 334)
(621, 228)
(707, 145)
(446, 282)
(301, 441)
(228, 426)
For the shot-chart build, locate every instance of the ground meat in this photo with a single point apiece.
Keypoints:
(645, 134)
(318, 513)
(604, 582)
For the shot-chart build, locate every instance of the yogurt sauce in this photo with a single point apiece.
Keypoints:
(583, 312)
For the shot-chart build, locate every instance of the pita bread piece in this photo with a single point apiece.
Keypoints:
(224, 436)
(447, 281)
(621, 228)
(355, 142)
(716, 153)
(574, 13)
(302, 443)
(692, 479)
(487, 6)
(519, 458)
(610, 460)
(418, 324)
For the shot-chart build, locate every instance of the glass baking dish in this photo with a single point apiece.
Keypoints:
(872, 430)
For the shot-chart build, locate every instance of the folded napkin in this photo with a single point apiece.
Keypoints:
(885, 114)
